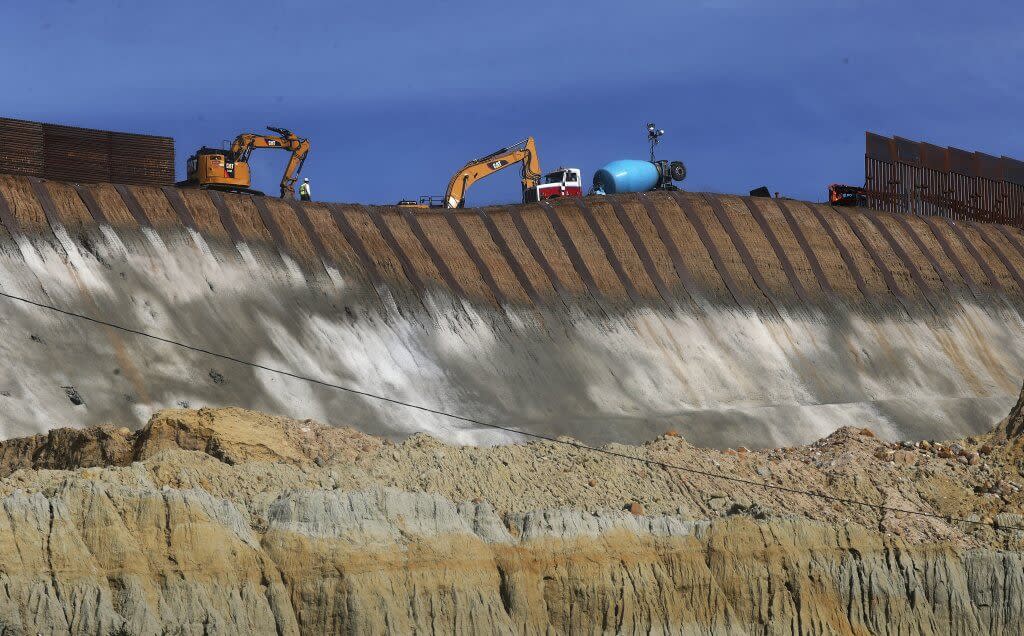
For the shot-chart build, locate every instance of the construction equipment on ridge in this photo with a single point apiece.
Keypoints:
(564, 182)
(847, 196)
(228, 170)
(635, 175)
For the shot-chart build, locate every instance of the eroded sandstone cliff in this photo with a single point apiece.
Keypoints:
(226, 521)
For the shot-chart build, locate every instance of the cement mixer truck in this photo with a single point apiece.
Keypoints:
(634, 175)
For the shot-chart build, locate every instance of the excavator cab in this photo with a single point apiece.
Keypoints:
(219, 169)
(228, 170)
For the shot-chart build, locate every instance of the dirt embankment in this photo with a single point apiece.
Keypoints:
(234, 521)
(748, 321)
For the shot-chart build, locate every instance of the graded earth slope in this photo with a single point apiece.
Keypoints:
(228, 521)
(734, 320)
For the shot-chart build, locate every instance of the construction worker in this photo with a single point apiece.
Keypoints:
(304, 192)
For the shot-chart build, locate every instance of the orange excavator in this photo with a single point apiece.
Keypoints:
(228, 170)
(563, 182)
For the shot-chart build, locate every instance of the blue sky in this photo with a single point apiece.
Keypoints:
(395, 96)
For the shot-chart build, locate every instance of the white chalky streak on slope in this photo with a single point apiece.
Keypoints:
(335, 276)
(114, 241)
(155, 240)
(293, 269)
(204, 248)
(70, 247)
(247, 256)
(28, 252)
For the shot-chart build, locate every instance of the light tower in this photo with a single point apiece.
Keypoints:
(653, 136)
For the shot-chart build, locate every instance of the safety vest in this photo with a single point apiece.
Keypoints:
(304, 189)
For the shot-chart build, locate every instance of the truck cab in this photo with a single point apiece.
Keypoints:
(563, 182)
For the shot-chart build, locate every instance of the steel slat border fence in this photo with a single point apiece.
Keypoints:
(919, 178)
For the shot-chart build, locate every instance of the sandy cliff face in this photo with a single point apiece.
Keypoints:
(199, 524)
(91, 557)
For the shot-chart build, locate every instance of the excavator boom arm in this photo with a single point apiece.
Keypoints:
(244, 144)
(291, 172)
(524, 152)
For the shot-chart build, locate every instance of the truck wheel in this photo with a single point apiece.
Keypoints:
(677, 170)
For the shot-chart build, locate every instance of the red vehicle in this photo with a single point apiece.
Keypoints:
(564, 182)
(847, 196)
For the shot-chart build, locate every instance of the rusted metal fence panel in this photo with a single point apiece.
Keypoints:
(84, 155)
(21, 147)
(919, 178)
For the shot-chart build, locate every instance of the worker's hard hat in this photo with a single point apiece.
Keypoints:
(306, 179)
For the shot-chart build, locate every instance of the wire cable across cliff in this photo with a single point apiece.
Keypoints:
(508, 429)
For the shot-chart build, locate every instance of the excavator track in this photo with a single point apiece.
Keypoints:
(233, 190)
(192, 185)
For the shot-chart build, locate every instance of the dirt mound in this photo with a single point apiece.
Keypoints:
(65, 448)
(235, 435)
(231, 435)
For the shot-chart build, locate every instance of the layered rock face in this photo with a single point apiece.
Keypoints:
(738, 321)
(92, 558)
(290, 527)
